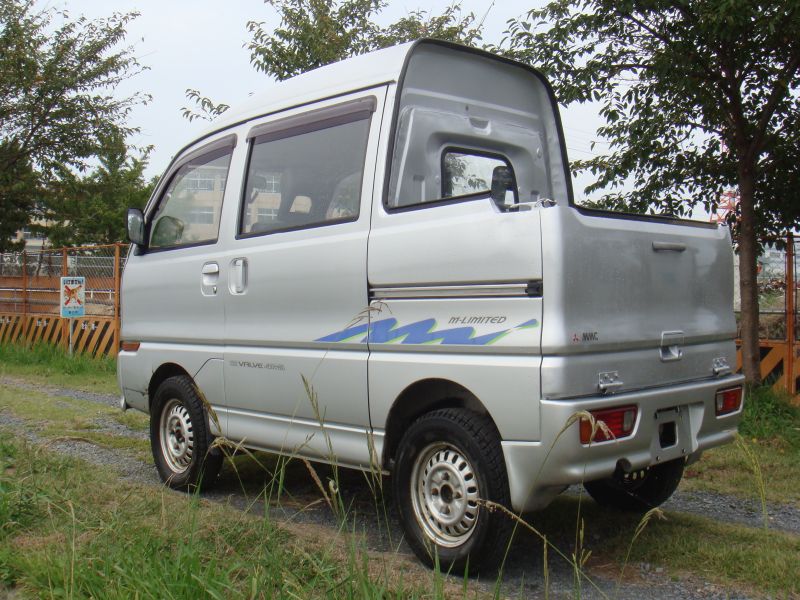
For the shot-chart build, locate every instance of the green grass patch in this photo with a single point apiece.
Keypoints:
(770, 428)
(731, 555)
(726, 470)
(770, 414)
(130, 541)
(47, 364)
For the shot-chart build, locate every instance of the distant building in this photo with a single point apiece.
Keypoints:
(33, 242)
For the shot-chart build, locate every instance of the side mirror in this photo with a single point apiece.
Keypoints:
(136, 226)
(167, 232)
(502, 184)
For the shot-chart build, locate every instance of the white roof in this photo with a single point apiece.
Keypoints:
(364, 71)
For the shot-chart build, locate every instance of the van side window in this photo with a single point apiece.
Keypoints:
(189, 210)
(305, 178)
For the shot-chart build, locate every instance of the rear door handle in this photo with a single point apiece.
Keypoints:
(669, 246)
(238, 280)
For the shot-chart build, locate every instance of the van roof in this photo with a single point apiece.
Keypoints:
(359, 72)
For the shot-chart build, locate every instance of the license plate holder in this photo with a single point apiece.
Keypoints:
(672, 433)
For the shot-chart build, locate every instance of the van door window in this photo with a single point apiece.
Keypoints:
(306, 178)
(189, 210)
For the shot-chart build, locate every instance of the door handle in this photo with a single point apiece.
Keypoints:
(669, 246)
(210, 276)
(238, 280)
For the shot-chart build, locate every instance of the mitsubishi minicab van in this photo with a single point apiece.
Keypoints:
(398, 229)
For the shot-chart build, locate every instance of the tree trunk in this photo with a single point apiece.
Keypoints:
(748, 285)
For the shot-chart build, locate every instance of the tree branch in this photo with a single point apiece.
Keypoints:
(775, 96)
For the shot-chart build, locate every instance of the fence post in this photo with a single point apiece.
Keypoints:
(64, 322)
(25, 296)
(117, 279)
(790, 306)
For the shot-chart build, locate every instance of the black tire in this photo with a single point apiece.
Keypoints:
(638, 491)
(192, 464)
(473, 440)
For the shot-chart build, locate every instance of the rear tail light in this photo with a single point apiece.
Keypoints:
(728, 401)
(130, 346)
(618, 422)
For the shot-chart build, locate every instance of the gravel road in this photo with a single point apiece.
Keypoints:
(301, 502)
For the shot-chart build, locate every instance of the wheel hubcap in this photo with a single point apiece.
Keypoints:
(177, 437)
(444, 494)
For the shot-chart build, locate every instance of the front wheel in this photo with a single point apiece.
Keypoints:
(638, 491)
(449, 462)
(180, 438)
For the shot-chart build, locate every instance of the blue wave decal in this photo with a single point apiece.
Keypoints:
(386, 331)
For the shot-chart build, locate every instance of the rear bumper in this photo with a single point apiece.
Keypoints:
(538, 471)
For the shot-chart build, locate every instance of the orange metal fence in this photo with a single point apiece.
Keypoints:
(780, 346)
(30, 295)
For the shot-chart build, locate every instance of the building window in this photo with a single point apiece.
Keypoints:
(202, 215)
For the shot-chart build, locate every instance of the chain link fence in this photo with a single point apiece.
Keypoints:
(30, 280)
(777, 290)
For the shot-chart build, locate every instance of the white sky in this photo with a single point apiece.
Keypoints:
(199, 44)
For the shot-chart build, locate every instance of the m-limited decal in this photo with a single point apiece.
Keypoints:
(389, 331)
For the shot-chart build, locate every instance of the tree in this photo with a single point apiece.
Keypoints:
(91, 209)
(313, 33)
(56, 105)
(699, 96)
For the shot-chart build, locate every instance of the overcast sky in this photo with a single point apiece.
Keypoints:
(199, 44)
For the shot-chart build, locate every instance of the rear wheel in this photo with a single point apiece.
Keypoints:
(180, 438)
(638, 491)
(448, 462)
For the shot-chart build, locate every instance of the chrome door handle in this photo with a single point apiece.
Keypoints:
(211, 269)
(238, 280)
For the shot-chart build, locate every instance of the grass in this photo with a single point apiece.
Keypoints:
(124, 540)
(728, 554)
(771, 429)
(60, 417)
(45, 364)
(73, 546)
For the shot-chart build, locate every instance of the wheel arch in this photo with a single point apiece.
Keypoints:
(161, 374)
(422, 397)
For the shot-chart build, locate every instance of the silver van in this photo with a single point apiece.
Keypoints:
(398, 229)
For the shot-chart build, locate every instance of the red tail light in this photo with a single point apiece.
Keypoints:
(620, 422)
(728, 401)
(130, 346)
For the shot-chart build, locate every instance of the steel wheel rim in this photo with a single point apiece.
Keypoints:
(177, 436)
(444, 494)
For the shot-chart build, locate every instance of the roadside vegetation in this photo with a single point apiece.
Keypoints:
(770, 430)
(46, 364)
(125, 539)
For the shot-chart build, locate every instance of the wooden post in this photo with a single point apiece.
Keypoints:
(64, 322)
(790, 314)
(25, 296)
(117, 280)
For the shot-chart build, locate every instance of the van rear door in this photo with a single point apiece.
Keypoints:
(648, 299)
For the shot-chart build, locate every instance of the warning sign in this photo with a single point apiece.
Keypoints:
(73, 297)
